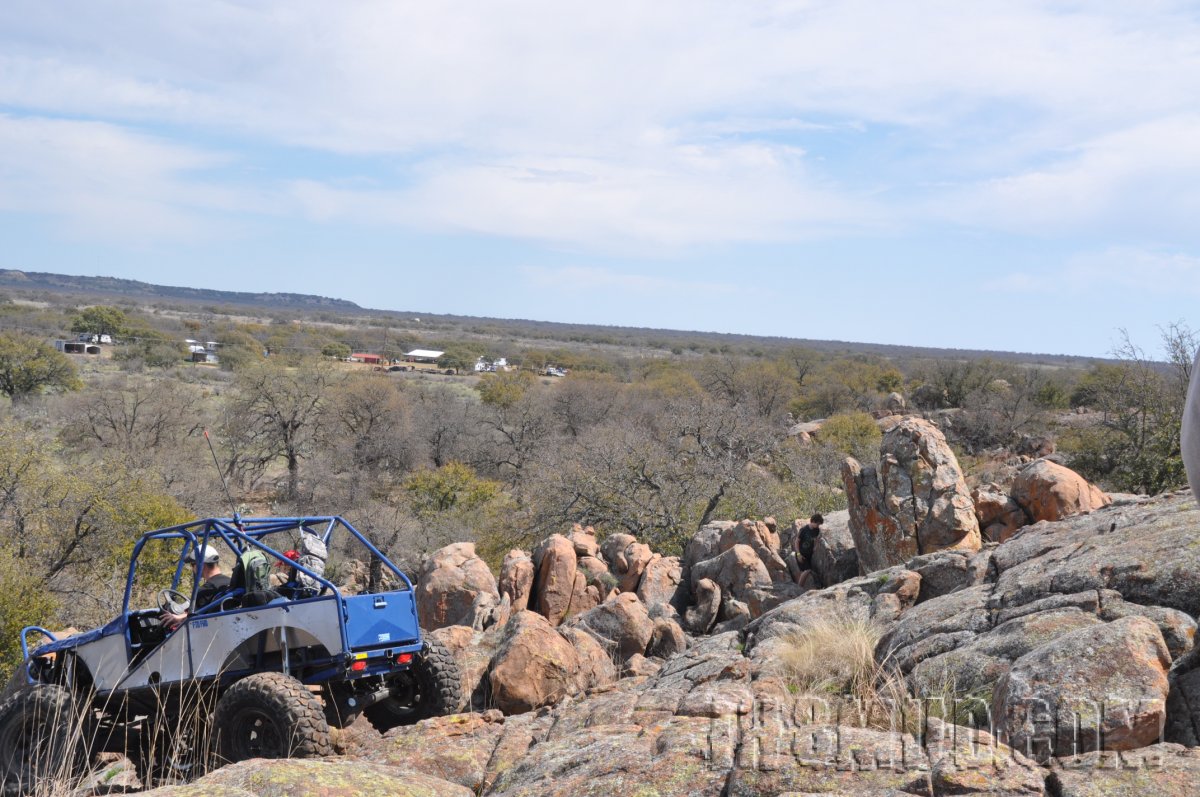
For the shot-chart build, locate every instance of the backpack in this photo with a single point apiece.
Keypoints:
(312, 555)
(252, 571)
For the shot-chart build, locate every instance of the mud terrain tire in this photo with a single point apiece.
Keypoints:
(438, 691)
(41, 739)
(270, 715)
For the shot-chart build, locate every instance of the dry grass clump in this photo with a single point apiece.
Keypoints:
(834, 659)
(834, 656)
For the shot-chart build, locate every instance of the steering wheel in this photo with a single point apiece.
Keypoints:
(173, 601)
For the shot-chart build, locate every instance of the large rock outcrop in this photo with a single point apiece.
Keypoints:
(299, 777)
(1101, 687)
(835, 559)
(450, 587)
(760, 538)
(663, 584)
(1000, 516)
(627, 560)
(534, 666)
(1049, 491)
(1082, 616)
(915, 502)
(737, 571)
(555, 590)
(516, 579)
(621, 625)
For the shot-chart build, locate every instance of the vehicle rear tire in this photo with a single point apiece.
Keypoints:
(270, 715)
(434, 690)
(43, 743)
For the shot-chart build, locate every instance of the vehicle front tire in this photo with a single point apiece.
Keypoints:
(435, 690)
(175, 749)
(270, 715)
(43, 743)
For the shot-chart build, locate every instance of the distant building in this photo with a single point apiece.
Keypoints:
(484, 365)
(366, 357)
(423, 355)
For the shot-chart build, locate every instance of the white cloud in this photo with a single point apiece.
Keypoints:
(1137, 270)
(391, 76)
(665, 196)
(585, 280)
(1145, 178)
(105, 182)
(643, 124)
(1132, 271)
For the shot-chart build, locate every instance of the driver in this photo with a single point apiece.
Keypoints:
(215, 582)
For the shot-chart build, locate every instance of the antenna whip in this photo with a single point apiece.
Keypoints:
(221, 473)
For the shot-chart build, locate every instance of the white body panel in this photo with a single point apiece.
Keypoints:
(206, 646)
(216, 643)
(106, 659)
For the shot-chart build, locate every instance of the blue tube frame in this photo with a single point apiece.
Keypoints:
(248, 531)
(25, 632)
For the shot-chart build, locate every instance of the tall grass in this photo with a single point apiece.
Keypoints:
(833, 659)
(63, 740)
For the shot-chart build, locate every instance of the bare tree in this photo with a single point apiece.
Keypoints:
(367, 425)
(659, 472)
(583, 400)
(278, 412)
(515, 434)
(446, 424)
(133, 416)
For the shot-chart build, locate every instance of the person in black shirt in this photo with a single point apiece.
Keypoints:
(807, 539)
(215, 582)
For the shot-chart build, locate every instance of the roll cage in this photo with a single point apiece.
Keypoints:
(237, 535)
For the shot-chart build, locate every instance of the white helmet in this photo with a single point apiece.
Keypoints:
(207, 554)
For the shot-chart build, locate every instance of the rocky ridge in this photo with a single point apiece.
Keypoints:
(1059, 661)
(1064, 619)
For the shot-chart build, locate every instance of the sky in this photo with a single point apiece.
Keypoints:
(1014, 175)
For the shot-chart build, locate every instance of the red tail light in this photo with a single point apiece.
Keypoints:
(404, 658)
(358, 666)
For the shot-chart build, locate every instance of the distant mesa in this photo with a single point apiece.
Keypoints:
(63, 283)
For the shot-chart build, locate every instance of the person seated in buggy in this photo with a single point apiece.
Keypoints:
(215, 583)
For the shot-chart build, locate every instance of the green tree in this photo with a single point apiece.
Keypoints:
(459, 357)
(1136, 446)
(29, 366)
(506, 388)
(100, 320)
(74, 533)
(338, 351)
(452, 486)
(24, 601)
(854, 433)
(239, 349)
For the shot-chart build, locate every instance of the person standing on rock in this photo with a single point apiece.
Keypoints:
(1190, 434)
(807, 539)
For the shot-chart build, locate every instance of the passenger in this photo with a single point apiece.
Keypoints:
(215, 582)
(286, 581)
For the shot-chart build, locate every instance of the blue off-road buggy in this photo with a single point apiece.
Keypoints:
(264, 669)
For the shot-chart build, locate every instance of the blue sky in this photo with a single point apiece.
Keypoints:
(1018, 175)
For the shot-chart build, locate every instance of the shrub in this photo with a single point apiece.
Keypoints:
(23, 601)
(853, 433)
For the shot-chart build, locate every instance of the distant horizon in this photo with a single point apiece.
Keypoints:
(417, 314)
(1014, 177)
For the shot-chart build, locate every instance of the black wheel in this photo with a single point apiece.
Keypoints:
(432, 688)
(178, 748)
(270, 715)
(42, 740)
